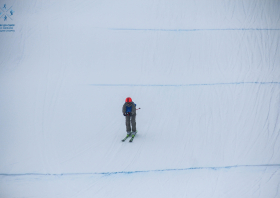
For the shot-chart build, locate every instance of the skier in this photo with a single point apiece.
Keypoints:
(129, 111)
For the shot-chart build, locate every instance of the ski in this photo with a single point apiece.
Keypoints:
(132, 137)
(125, 138)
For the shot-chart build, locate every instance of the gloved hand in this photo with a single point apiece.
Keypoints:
(125, 114)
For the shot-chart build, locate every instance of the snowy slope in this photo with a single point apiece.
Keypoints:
(205, 74)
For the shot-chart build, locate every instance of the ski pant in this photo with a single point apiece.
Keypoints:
(130, 120)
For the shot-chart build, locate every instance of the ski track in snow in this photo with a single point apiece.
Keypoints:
(192, 30)
(145, 171)
(183, 85)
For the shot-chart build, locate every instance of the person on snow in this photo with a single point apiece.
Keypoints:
(129, 111)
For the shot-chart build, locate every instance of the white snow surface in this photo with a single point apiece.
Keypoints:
(206, 75)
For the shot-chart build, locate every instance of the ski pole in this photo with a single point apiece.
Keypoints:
(138, 108)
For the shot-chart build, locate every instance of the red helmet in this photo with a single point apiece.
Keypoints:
(128, 99)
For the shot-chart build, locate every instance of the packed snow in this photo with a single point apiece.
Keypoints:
(206, 75)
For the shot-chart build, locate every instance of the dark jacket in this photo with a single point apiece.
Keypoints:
(129, 104)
